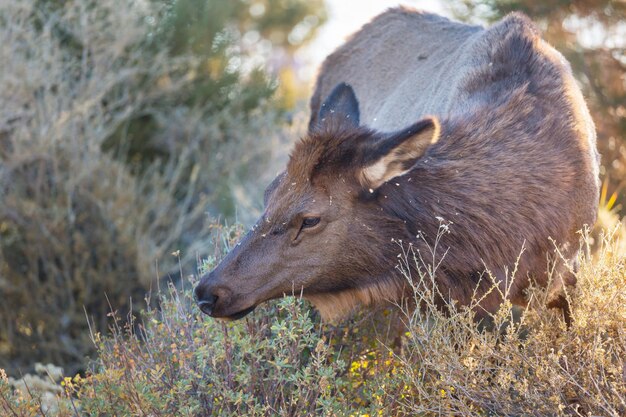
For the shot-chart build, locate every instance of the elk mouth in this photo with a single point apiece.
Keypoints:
(239, 315)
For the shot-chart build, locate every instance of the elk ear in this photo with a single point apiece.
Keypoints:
(340, 107)
(395, 154)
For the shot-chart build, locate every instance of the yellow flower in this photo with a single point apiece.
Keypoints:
(67, 382)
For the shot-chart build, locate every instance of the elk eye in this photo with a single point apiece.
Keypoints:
(310, 222)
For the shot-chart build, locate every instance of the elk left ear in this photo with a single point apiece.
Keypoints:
(341, 107)
(395, 154)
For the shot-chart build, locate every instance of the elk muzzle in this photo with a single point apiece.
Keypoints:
(217, 300)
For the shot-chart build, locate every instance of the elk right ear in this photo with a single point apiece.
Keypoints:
(395, 154)
(341, 107)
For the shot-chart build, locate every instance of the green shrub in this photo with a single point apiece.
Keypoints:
(273, 364)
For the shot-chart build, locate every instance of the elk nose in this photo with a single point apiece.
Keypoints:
(206, 304)
(206, 300)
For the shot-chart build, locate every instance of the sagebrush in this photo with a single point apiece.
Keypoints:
(114, 150)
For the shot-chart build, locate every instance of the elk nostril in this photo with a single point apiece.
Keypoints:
(206, 304)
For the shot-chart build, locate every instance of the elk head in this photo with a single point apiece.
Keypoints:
(326, 231)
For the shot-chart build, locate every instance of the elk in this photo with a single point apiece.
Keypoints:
(416, 119)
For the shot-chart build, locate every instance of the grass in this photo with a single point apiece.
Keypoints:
(282, 361)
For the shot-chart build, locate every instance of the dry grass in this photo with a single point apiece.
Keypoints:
(531, 365)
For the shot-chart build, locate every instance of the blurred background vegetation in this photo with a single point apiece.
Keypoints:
(128, 127)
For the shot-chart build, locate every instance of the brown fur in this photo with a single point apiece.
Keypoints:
(509, 159)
